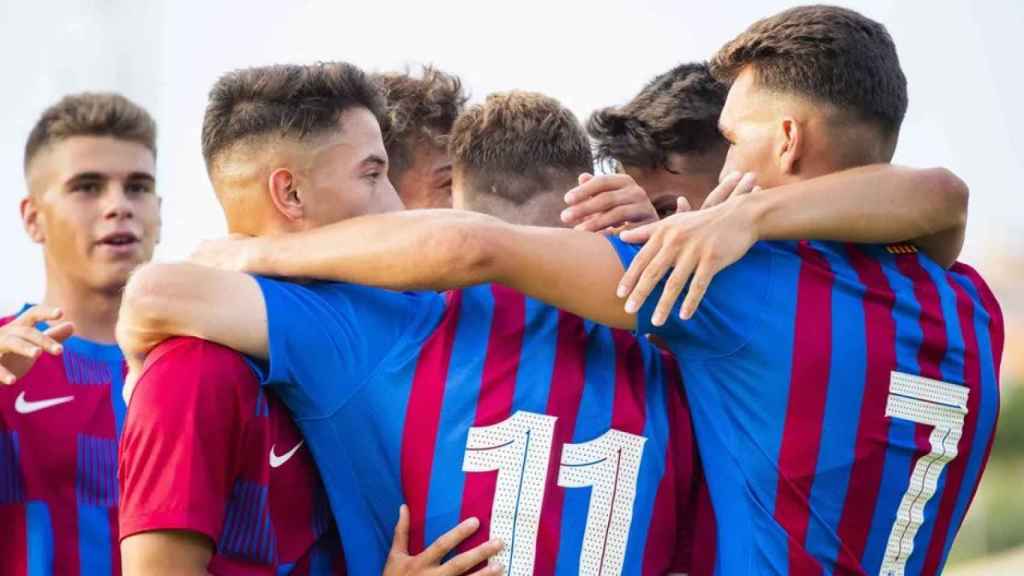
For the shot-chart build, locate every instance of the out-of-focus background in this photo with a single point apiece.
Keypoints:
(962, 60)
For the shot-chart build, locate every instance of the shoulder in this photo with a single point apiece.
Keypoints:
(185, 367)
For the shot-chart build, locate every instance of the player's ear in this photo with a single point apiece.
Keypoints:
(32, 219)
(284, 193)
(789, 146)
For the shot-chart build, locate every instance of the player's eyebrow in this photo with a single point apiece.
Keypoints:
(86, 176)
(143, 176)
(374, 160)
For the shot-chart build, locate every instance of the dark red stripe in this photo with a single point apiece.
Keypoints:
(419, 435)
(563, 402)
(670, 539)
(958, 467)
(14, 560)
(808, 391)
(630, 405)
(873, 428)
(494, 404)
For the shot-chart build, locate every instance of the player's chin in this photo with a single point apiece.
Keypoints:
(112, 276)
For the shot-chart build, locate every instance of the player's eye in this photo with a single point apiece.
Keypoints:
(139, 188)
(86, 187)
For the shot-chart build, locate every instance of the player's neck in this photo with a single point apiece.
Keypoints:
(94, 313)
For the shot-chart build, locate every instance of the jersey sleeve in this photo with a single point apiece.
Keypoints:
(733, 305)
(182, 438)
(326, 339)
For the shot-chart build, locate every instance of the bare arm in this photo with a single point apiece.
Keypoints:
(166, 552)
(872, 204)
(180, 299)
(442, 249)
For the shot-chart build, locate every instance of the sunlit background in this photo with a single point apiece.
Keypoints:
(962, 60)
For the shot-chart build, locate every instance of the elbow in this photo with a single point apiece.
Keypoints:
(147, 304)
(954, 194)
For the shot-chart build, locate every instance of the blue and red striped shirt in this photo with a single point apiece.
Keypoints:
(568, 440)
(844, 400)
(59, 427)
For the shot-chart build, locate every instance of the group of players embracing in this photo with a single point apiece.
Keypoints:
(436, 343)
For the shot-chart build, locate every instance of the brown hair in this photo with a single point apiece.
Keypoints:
(831, 55)
(418, 110)
(677, 112)
(283, 100)
(91, 114)
(516, 144)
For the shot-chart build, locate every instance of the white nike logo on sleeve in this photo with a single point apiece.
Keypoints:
(22, 406)
(278, 461)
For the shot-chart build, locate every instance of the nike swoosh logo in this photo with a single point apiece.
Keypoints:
(22, 406)
(278, 461)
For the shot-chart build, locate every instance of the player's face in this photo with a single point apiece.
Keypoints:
(750, 123)
(347, 175)
(691, 176)
(427, 182)
(94, 209)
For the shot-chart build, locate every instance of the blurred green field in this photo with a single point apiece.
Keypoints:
(995, 522)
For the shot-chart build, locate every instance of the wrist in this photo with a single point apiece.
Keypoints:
(757, 208)
(258, 257)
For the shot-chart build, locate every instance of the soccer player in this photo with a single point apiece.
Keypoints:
(215, 476)
(92, 206)
(844, 397)
(569, 441)
(666, 138)
(418, 117)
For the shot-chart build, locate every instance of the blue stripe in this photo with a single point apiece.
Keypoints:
(952, 369)
(96, 481)
(902, 446)
(537, 360)
(652, 466)
(116, 397)
(988, 407)
(247, 532)
(847, 376)
(95, 542)
(11, 489)
(458, 410)
(39, 531)
(593, 419)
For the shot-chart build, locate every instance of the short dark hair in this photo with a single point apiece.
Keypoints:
(92, 114)
(284, 100)
(677, 112)
(829, 54)
(418, 110)
(516, 144)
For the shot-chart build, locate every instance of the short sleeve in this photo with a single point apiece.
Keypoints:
(182, 436)
(327, 339)
(728, 315)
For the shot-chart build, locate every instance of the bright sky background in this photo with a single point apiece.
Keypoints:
(962, 60)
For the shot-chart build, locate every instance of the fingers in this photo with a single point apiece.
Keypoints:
(638, 235)
(37, 314)
(60, 332)
(683, 205)
(17, 345)
(490, 570)
(634, 213)
(722, 191)
(637, 266)
(467, 560)
(745, 186)
(450, 539)
(701, 280)
(6, 376)
(35, 338)
(673, 287)
(649, 279)
(603, 201)
(400, 543)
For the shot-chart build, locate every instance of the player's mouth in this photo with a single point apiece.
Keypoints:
(119, 243)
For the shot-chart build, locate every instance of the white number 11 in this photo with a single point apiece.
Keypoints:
(519, 448)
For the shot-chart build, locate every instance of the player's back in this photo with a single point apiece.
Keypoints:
(58, 462)
(568, 440)
(855, 391)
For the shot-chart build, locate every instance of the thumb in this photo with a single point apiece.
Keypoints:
(400, 543)
(584, 178)
(683, 205)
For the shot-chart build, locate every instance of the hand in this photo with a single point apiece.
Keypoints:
(699, 243)
(21, 343)
(606, 203)
(430, 562)
(231, 253)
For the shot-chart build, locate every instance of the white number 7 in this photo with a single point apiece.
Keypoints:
(932, 403)
(519, 448)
